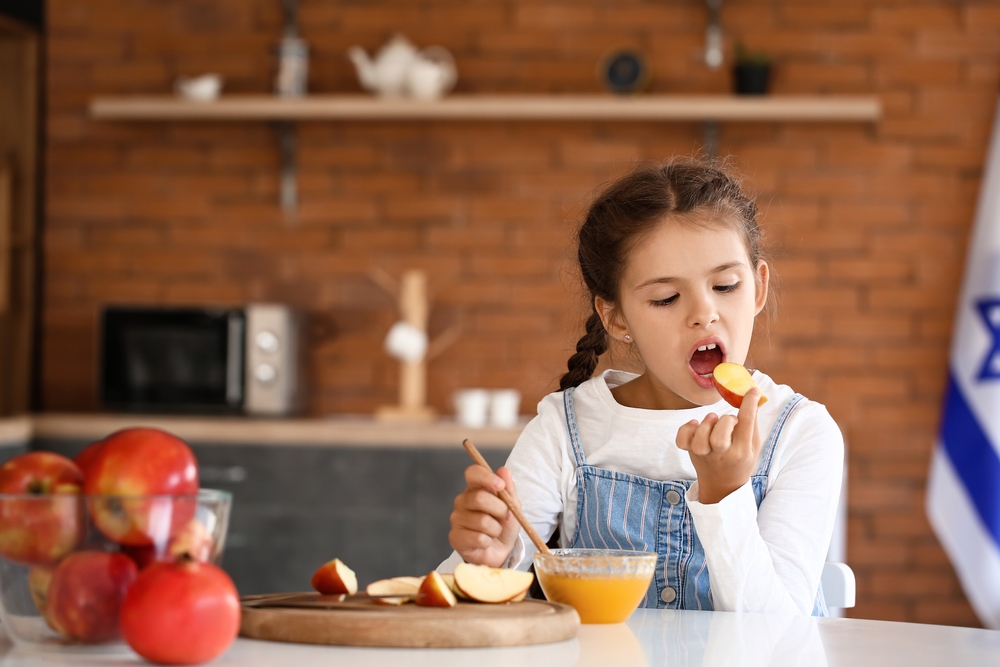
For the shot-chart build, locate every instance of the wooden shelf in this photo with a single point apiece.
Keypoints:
(816, 108)
(708, 109)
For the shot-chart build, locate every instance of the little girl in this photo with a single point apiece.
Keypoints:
(739, 505)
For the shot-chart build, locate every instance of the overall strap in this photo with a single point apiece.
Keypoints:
(574, 435)
(767, 451)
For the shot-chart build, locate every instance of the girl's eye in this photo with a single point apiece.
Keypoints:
(727, 288)
(665, 302)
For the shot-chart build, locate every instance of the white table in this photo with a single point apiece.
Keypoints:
(651, 637)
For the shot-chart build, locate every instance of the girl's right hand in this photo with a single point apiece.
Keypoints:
(483, 529)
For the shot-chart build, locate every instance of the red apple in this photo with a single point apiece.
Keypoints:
(39, 580)
(143, 555)
(193, 541)
(141, 462)
(85, 459)
(86, 592)
(181, 613)
(733, 382)
(333, 578)
(45, 521)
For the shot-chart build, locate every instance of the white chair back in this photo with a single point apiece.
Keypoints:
(837, 580)
(839, 585)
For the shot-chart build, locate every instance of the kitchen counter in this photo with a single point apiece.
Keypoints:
(354, 430)
(651, 637)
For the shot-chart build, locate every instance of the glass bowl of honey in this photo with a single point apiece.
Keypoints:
(603, 585)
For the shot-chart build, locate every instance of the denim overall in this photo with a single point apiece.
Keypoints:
(616, 510)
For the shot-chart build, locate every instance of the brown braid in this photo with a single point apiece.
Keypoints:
(588, 349)
(630, 208)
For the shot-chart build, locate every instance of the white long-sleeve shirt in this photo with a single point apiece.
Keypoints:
(760, 560)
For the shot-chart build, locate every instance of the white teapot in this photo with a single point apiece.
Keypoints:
(400, 69)
(432, 74)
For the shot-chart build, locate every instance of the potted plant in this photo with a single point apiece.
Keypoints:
(751, 72)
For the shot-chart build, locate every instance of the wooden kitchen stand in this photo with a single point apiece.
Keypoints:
(411, 294)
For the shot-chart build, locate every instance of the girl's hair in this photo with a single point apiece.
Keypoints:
(630, 208)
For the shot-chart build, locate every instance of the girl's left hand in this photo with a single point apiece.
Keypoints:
(723, 449)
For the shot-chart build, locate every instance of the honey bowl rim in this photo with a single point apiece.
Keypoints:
(624, 555)
(563, 559)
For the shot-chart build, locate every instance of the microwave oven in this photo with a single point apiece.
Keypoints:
(201, 360)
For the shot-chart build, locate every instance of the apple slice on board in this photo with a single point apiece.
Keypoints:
(490, 584)
(434, 592)
(733, 382)
(406, 590)
(449, 578)
(412, 581)
(334, 577)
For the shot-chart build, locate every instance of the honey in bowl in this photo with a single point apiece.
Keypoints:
(603, 585)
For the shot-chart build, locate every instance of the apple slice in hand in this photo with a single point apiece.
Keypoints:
(434, 592)
(334, 577)
(733, 382)
(406, 590)
(490, 584)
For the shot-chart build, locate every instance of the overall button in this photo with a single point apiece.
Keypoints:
(668, 595)
(673, 498)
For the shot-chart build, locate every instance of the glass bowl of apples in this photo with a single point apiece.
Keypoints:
(63, 572)
(75, 535)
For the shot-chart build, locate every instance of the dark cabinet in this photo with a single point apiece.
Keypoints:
(382, 510)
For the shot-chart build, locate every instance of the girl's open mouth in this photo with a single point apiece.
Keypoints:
(706, 355)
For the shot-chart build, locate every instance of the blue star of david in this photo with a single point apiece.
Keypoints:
(989, 309)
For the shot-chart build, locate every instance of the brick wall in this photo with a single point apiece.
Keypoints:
(868, 223)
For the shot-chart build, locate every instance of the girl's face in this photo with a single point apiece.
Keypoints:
(686, 287)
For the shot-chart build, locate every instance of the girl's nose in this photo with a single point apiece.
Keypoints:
(703, 312)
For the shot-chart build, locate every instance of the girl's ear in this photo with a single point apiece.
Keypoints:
(761, 282)
(610, 318)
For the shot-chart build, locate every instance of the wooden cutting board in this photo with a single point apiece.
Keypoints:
(365, 623)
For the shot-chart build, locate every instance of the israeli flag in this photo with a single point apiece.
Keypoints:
(963, 494)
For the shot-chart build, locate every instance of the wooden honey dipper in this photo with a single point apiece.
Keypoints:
(507, 498)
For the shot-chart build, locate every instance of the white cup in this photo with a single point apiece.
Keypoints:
(505, 405)
(203, 88)
(472, 407)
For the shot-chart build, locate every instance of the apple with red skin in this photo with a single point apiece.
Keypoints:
(46, 522)
(85, 459)
(142, 462)
(85, 594)
(39, 580)
(193, 541)
(733, 381)
(181, 612)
